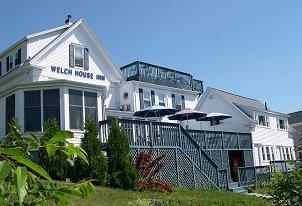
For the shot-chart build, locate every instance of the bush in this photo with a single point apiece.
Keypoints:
(120, 165)
(286, 189)
(149, 167)
(98, 167)
(57, 166)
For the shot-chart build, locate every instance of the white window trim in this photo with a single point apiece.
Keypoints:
(147, 99)
(266, 120)
(271, 150)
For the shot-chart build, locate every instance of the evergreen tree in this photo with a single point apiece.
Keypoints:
(57, 166)
(120, 165)
(98, 167)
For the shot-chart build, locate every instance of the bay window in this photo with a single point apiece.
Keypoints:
(10, 110)
(75, 109)
(32, 111)
(82, 106)
(51, 104)
(91, 106)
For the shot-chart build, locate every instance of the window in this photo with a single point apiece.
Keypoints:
(161, 99)
(78, 56)
(262, 120)
(268, 153)
(147, 99)
(178, 102)
(75, 109)
(10, 110)
(18, 57)
(91, 106)
(281, 124)
(51, 104)
(32, 111)
(0, 69)
(214, 122)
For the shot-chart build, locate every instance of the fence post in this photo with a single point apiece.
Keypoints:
(179, 136)
(218, 178)
(238, 174)
(194, 177)
(151, 134)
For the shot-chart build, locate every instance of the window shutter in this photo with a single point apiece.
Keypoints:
(173, 100)
(71, 55)
(183, 105)
(0, 68)
(141, 98)
(152, 97)
(7, 63)
(86, 59)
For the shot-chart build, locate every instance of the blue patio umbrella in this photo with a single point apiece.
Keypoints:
(155, 111)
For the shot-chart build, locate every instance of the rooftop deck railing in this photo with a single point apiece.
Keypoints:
(150, 73)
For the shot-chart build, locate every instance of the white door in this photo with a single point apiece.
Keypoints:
(256, 152)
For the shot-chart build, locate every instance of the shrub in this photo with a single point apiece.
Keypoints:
(98, 167)
(149, 167)
(23, 182)
(120, 165)
(57, 166)
(286, 189)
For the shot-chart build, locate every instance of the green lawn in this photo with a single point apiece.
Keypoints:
(109, 197)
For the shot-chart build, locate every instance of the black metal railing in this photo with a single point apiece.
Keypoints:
(145, 72)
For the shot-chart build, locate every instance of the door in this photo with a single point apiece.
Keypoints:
(236, 159)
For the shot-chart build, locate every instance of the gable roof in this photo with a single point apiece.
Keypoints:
(238, 100)
(90, 34)
(295, 117)
(30, 36)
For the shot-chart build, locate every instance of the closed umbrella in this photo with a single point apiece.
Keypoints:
(187, 114)
(155, 111)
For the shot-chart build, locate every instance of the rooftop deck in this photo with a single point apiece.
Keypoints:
(145, 72)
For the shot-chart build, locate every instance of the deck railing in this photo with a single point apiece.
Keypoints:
(221, 140)
(144, 134)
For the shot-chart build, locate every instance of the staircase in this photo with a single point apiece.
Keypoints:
(233, 186)
(176, 140)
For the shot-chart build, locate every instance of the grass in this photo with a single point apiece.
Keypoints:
(114, 197)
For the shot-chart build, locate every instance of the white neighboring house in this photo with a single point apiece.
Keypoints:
(64, 72)
(271, 137)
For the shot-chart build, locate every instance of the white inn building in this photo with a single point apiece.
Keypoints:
(66, 73)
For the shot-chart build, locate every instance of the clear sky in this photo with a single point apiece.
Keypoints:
(251, 48)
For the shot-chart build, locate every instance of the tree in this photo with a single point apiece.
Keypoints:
(98, 168)
(57, 166)
(23, 182)
(120, 165)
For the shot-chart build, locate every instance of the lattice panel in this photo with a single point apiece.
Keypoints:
(201, 181)
(225, 159)
(216, 157)
(169, 172)
(133, 153)
(249, 160)
(186, 175)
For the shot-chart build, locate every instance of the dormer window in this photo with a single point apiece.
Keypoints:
(281, 124)
(11, 62)
(18, 58)
(78, 56)
(263, 120)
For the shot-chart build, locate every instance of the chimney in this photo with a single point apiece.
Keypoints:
(265, 105)
(68, 20)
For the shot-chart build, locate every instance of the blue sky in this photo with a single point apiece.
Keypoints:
(251, 48)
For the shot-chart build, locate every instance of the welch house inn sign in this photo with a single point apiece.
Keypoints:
(77, 73)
